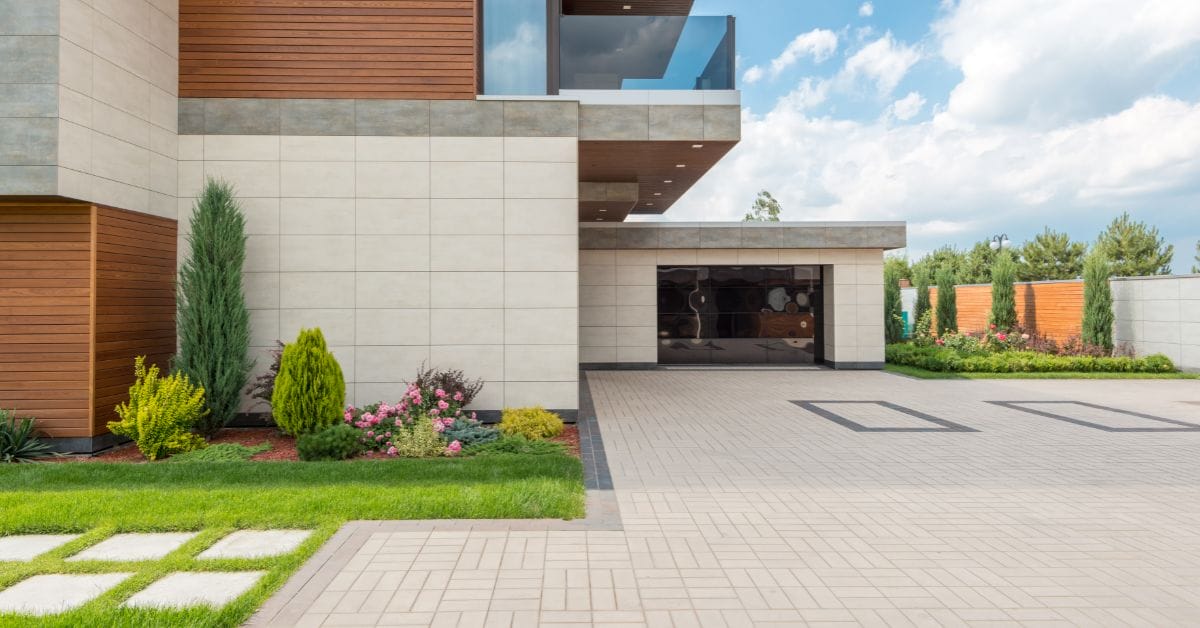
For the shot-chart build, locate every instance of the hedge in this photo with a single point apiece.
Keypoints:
(950, 361)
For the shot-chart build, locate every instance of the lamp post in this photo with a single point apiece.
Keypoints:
(999, 242)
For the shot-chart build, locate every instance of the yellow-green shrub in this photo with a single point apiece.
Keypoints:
(533, 423)
(418, 440)
(309, 390)
(161, 413)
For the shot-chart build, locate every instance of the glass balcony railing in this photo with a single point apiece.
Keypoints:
(646, 52)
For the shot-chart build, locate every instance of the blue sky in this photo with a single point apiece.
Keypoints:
(966, 118)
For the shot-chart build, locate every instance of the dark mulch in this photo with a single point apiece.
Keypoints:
(570, 438)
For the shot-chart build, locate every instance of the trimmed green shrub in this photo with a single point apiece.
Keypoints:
(1004, 295)
(309, 390)
(922, 310)
(947, 302)
(18, 439)
(339, 442)
(223, 452)
(893, 317)
(1097, 302)
(948, 360)
(534, 423)
(518, 445)
(418, 440)
(213, 322)
(469, 432)
(161, 413)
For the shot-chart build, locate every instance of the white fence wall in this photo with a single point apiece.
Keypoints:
(1159, 315)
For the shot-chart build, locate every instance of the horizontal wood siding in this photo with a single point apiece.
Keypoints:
(1054, 310)
(135, 302)
(45, 295)
(403, 49)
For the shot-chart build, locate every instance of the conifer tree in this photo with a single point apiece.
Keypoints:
(1004, 296)
(1134, 249)
(923, 305)
(893, 321)
(947, 302)
(212, 319)
(310, 388)
(1051, 255)
(1097, 302)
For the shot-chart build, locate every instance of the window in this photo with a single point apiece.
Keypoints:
(514, 47)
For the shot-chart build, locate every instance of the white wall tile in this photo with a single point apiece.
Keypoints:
(316, 216)
(392, 290)
(465, 179)
(373, 148)
(541, 149)
(541, 180)
(337, 325)
(392, 327)
(466, 327)
(550, 395)
(469, 216)
(538, 216)
(392, 179)
(541, 363)
(466, 252)
(316, 148)
(542, 326)
(316, 179)
(315, 290)
(398, 216)
(388, 364)
(467, 290)
(540, 289)
(241, 147)
(301, 253)
(405, 253)
(466, 149)
(541, 252)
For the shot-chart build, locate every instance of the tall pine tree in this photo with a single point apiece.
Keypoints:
(921, 279)
(1134, 249)
(1097, 302)
(1051, 255)
(947, 302)
(212, 319)
(1004, 295)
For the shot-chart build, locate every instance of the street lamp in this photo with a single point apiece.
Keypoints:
(1000, 242)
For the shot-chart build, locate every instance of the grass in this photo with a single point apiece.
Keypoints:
(216, 498)
(920, 373)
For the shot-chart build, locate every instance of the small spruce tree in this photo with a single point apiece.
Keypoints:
(1097, 301)
(310, 389)
(893, 321)
(1004, 296)
(923, 304)
(213, 322)
(947, 302)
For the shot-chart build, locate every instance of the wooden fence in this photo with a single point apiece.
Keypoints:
(1052, 308)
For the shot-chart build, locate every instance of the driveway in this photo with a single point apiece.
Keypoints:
(776, 497)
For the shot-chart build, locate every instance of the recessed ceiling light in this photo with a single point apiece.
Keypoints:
(599, 219)
(697, 145)
(681, 165)
(604, 210)
(627, 7)
(658, 193)
(649, 204)
(667, 181)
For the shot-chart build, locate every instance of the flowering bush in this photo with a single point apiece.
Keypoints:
(404, 429)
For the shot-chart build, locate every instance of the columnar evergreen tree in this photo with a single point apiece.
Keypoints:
(310, 389)
(212, 319)
(1004, 295)
(947, 302)
(1051, 255)
(1097, 302)
(1134, 249)
(893, 321)
(921, 279)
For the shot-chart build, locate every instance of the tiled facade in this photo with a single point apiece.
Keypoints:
(458, 252)
(1159, 315)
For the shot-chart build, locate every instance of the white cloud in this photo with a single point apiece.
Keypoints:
(884, 62)
(752, 75)
(866, 10)
(1053, 62)
(819, 43)
(908, 107)
(508, 69)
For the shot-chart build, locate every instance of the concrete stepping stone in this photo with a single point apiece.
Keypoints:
(195, 588)
(49, 594)
(256, 544)
(135, 546)
(29, 546)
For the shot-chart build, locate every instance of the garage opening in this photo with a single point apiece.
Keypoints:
(739, 315)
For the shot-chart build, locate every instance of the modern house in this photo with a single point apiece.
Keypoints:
(443, 182)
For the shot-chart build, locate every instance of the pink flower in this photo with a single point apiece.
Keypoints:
(453, 448)
(458, 396)
(1002, 337)
(438, 427)
(434, 412)
(448, 422)
(442, 405)
(370, 434)
(391, 451)
(940, 342)
(439, 393)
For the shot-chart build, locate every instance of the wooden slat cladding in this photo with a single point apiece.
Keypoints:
(1053, 309)
(405, 49)
(45, 297)
(135, 302)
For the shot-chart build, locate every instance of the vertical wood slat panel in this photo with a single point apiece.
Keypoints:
(135, 264)
(45, 296)
(1053, 309)
(404, 49)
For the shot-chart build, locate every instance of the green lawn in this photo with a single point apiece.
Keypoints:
(216, 498)
(912, 371)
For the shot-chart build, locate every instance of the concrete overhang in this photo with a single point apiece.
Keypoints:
(743, 235)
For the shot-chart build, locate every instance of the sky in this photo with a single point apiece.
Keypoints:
(965, 118)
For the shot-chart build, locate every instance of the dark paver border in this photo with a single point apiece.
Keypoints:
(946, 426)
(1016, 405)
(596, 475)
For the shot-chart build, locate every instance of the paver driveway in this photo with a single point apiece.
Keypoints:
(739, 507)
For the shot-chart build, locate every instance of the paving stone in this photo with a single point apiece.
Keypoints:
(29, 546)
(135, 546)
(197, 588)
(256, 543)
(55, 593)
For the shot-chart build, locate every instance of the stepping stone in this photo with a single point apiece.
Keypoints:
(29, 546)
(195, 588)
(45, 595)
(136, 546)
(256, 543)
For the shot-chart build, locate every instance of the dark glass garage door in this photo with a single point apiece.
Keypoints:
(739, 314)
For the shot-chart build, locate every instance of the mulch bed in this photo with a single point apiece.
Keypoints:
(283, 447)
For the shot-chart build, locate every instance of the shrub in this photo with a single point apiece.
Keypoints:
(893, 318)
(469, 432)
(922, 311)
(1097, 302)
(223, 452)
(333, 443)
(263, 386)
(454, 383)
(518, 445)
(1004, 295)
(214, 324)
(310, 389)
(18, 440)
(947, 303)
(948, 360)
(161, 413)
(419, 440)
(534, 423)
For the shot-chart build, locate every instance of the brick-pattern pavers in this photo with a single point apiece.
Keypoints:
(741, 508)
